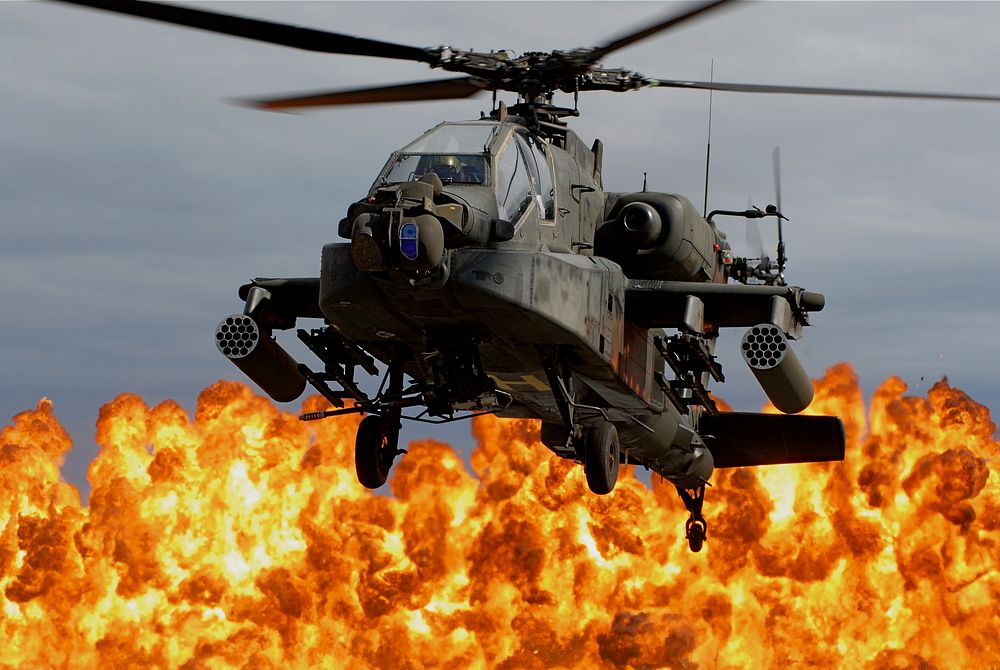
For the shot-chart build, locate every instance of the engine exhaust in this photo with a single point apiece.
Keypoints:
(778, 371)
(253, 350)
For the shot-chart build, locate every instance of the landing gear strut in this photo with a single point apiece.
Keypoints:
(696, 528)
(598, 447)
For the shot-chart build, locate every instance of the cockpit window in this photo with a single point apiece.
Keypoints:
(541, 178)
(543, 184)
(453, 138)
(451, 168)
(513, 183)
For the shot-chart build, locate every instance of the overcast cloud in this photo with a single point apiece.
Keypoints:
(134, 201)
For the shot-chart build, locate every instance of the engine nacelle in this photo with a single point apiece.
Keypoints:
(640, 224)
(658, 236)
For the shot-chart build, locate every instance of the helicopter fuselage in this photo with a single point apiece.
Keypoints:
(488, 266)
(519, 301)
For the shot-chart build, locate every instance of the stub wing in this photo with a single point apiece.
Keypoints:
(739, 439)
(663, 304)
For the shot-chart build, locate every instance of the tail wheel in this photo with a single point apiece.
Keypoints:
(374, 452)
(601, 458)
(697, 531)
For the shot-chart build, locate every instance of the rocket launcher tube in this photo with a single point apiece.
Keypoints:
(252, 349)
(767, 351)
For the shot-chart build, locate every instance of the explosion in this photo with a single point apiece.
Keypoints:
(243, 539)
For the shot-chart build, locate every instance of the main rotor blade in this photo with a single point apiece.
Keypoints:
(435, 89)
(811, 90)
(262, 31)
(647, 31)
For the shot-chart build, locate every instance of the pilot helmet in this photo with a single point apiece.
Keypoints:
(447, 167)
(449, 161)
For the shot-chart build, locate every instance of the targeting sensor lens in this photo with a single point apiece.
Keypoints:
(409, 241)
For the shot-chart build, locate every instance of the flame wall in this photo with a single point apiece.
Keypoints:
(243, 539)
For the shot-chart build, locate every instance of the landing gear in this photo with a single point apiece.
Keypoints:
(696, 528)
(697, 531)
(375, 448)
(598, 447)
(601, 457)
(377, 442)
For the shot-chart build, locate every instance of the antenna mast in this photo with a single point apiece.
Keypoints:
(708, 148)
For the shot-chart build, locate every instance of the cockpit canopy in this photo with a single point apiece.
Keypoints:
(456, 152)
(481, 153)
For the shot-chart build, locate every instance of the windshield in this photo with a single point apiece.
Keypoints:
(451, 168)
(455, 152)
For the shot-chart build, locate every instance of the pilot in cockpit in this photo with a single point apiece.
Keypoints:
(453, 170)
(448, 168)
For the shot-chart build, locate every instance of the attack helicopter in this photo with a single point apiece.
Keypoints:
(488, 271)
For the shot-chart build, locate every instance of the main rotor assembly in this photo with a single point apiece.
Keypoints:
(534, 76)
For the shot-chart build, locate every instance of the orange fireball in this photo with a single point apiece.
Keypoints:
(243, 539)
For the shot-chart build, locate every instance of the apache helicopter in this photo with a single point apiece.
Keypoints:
(489, 272)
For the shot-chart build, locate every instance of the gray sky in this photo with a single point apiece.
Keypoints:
(134, 201)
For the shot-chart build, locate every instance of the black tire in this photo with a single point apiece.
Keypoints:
(696, 537)
(371, 459)
(602, 457)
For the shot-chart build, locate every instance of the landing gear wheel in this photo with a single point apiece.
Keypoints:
(696, 533)
(374, 451)
(696, 528)
(601, 457)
